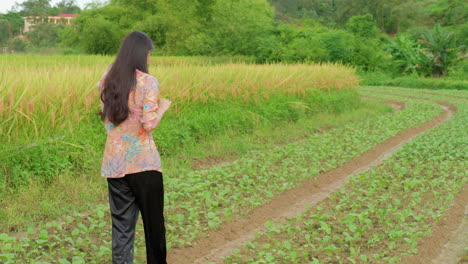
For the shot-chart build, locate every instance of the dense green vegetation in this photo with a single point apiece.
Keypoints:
(53, 140)
(265, 92)
(373, 218)
(49, 104)
(424, 38)
(201, 200)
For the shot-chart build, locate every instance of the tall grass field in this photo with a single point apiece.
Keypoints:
(51, 132)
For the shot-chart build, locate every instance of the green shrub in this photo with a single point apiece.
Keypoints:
(101, 36)
(368, 54)
(432, 55)
(305, 49)
(270, 50)
(407, 57)
(45, 35)
(440, 48)
(363, 26)
(459, 71)
(339, 45)
(19, 44)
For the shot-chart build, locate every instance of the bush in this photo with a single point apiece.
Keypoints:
(338, 44)
(432, 55)
(441, 49)
(68, 38)
(101, 30)
(19, 44)
(368, 55)
(459, 71)
(45, 35)
(100, 36)
(305, 49)
(363, 26)
(406, 55)
(270, 50)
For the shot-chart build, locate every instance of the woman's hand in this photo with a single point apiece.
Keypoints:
(164, 104)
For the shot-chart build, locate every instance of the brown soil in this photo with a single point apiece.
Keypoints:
(397, 105)
(220, 243)
(444, 232)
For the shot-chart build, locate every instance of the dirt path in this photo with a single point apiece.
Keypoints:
(220, 243)
(453, 251)
(449, 236)
(397, 105)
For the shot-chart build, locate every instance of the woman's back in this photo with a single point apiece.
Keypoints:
(130, 146)
(131, 109)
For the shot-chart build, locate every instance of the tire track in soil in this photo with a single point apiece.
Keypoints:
(220, 243)
(453, 251)
(448, 238)
(397, 105)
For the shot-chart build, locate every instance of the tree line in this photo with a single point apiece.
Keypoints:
(405, 36)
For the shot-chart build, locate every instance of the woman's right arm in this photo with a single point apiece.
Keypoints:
(153, 107)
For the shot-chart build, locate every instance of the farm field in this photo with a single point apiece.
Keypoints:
(381, 215)
(54, 139)
(340, 178)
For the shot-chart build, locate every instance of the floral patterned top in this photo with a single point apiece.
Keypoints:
(130, 146)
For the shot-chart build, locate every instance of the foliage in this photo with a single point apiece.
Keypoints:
(3, 31)
(432, 55)
(459, 71)
(304, 46)
(15, 20)
(449, 12)
(236, 27)
(440, 47)
(66, 7)
(459, 82)
(34, 7)
(68, 38)
(363, 26)
(45, 34)
(101, 36)
(36, 106)
(19, 44)
(205, 206)
(315, 30)
(44, 7)
(354, 224)
(339, 46)
(406, 55)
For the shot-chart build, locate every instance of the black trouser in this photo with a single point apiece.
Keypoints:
(142, 191)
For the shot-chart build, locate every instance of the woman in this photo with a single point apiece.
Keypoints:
(131, 109)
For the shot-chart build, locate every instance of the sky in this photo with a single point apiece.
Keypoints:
(6, 5)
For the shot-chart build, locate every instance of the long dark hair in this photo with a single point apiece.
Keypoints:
(121, 77)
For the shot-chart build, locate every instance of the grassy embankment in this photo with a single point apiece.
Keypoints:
(52, 140)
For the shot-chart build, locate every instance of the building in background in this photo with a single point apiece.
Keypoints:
(31, 21)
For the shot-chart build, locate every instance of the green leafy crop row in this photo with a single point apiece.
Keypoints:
(201, 200)
(379, 216)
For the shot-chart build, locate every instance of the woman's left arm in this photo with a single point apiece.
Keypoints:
(150, 118)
